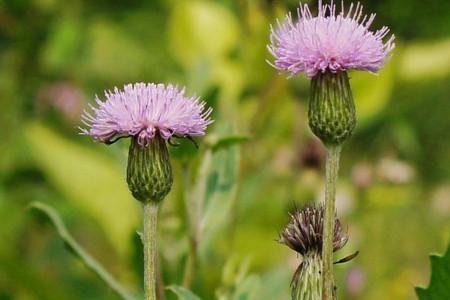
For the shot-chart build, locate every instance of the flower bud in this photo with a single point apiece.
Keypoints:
(331, 112)
(149, 173)
(303, 234)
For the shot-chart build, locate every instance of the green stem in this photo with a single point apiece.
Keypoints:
(150, 249)
(332, 167)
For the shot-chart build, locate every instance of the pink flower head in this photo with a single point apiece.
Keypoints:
(145, 110)
(329, 42)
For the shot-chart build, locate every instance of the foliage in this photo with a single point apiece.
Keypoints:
(231, 195)
(440, 279)
(79, 252)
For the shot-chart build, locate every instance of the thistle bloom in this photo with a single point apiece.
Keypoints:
(151, 114)
(304, 235)
(144, 111)
(329, 42)
(325, 47)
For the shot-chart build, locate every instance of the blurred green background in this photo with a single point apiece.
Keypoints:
(394, 189)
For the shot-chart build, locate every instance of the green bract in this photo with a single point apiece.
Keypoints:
(149, 173)
(331, 113)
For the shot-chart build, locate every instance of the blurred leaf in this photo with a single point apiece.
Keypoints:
(385, 195)
(184, 149)
(201, 30)
(63, 47)
(235, 271)
(183, 293)
(248, 289)
(80, 252)
(220, 193)
(113, 53)
(202, 35)
(425, 60)
(372, 92)
(89, 179)
(439, 287)
(222, 142)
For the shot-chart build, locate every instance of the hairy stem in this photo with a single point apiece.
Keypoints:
(332, 167)
(150, 249)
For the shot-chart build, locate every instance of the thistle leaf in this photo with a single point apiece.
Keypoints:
(438, 289)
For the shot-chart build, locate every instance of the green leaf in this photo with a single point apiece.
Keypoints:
(113, 53)
(184, 149)
(222, 142)
(425, 60)
(88, 179)
(183, 293)
(248, 289)
(439, 287)
(63, 46)
(201, 31)
(220, 193)
(372, 92)
(80, 252)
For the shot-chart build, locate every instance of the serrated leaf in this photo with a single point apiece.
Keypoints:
(439, 287)
(183, 293)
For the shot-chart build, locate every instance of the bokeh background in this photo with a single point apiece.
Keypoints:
(394, 188)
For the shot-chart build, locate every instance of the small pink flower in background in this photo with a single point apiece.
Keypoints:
(65, 97)
(356, 281)
(145, 110)
(329, 42)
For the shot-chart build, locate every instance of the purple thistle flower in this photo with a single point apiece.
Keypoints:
(145, 110)
(329, 42)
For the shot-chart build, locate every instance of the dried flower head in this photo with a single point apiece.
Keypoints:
(329, 42)
(145, 110)
(303, 234)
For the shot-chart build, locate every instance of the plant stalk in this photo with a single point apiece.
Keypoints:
(150, 249)
(331, 167)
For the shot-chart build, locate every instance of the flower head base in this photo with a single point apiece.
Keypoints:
(303, 234)
(144, 111)
(149, 172)
(329, 42)
(331, 113)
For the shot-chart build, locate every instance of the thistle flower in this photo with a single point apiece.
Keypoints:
(144, 111)
(150, 114)
(329, 42)
(325, 47)
(304, 235)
